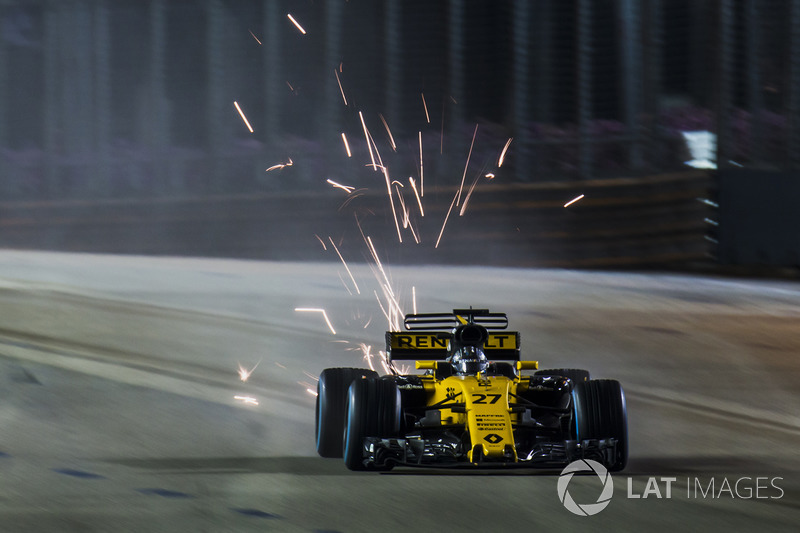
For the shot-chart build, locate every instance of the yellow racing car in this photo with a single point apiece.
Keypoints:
(472, 406)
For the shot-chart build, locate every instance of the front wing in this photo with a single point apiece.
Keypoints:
(439, 453)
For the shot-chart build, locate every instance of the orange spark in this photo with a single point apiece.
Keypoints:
(447, 217)
(503, 153)
(249, 400)
(466, 166)
(244, 373)
(421, 173)
(419, 200)
(425, 105)
(345, 265)
(254, 36)
(391, 137)
(317, 310)
(340, 86)
(346, 188)
(299, 27)
(241, 114)
(281, 165)
(346, 145)
(369, 144)
(573, 200)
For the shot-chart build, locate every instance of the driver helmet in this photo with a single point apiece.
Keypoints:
(469, 360)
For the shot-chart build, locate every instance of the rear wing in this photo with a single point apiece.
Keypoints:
(433, 321)
(435, 346)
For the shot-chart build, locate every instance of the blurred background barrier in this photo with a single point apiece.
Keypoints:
(653, 221)
(126, 102)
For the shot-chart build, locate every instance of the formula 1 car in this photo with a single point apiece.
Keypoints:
(472, 406)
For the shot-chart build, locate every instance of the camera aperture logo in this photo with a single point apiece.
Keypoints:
(585, 509)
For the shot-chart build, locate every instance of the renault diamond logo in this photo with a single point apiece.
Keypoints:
(493, 438)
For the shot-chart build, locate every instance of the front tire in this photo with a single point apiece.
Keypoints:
(373, 410)
(601, 412)
(332, 390)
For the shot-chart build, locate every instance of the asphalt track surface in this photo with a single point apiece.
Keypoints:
(118, 378)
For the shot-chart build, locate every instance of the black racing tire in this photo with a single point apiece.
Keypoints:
(373, 410)
(331, 399)
(601, 413)
(576, 375)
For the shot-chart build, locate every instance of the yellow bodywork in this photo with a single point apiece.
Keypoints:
(481, 404)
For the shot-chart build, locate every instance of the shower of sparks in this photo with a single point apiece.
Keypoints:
(340, 86)
(346, 145)
(466, 166)
(244, 373)
(416, 194)
(503, 153)
(244, 118)
(573, 200)
(345, 265)
(391, 137)
(317, 310)
(321, 242)
(425, 105)
(421, 173)
(299, 27)
(254, 36)
(281, 165)
(249, 400)
(346, 188)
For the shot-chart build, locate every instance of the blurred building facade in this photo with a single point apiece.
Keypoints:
(102, 98)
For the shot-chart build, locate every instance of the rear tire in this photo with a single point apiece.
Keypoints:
(576, 375)
(331, 398)
(601, 413)
(373, 410)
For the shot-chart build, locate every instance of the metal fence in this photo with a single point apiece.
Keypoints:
(122, 98)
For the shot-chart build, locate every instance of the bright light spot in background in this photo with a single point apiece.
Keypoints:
(244, 118)
(299, 27)
(573, 200)
(702, 145)
(317, 310)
